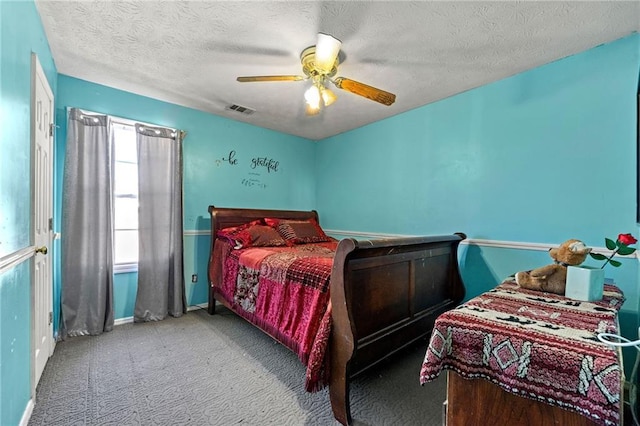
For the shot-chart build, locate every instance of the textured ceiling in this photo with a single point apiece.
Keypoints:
(190, 52)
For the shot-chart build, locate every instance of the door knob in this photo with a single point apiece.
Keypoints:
(42, 250)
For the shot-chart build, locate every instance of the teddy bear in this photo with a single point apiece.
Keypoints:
(553, 278)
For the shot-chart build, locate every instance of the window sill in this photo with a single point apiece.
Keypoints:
(125, 268)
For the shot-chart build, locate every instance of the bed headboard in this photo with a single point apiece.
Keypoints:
(222, 217)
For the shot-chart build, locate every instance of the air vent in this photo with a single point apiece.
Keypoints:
(241, 109)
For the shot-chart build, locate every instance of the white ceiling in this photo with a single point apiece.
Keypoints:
(190, 52)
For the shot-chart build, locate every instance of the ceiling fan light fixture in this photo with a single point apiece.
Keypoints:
(312, 97)
(310, 110)
(328, 97)
(327, 49)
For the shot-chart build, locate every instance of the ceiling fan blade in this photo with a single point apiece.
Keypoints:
(362, 89)
(327, 49)
(253, 78)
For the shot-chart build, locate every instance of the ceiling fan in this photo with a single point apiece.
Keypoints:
(320, 65)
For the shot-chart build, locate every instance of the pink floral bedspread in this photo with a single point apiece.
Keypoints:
(285, 292)
(536, 345)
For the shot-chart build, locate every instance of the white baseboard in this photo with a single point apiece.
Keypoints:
(198, 306)
(129, 320)
(122, 321)
(26, 416)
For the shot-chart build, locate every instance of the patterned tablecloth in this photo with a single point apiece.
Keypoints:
(536, 345)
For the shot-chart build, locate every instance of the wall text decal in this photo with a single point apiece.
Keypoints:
(269, 163)
(231, 159)
(253, 179)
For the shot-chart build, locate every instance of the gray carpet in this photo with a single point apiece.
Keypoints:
(215, 370)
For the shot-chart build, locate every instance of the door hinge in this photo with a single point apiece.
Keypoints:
(50, 224)
(51, 127)
(50, 317)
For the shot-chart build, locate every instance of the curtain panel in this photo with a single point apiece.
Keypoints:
(160, 260)
(87, 227)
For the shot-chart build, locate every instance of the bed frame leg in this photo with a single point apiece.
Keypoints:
(211, 307)
(339, 395)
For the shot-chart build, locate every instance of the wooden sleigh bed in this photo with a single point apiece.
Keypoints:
(382, 294)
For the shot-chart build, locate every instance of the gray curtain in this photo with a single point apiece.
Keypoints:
(87, 230)
(160, 263)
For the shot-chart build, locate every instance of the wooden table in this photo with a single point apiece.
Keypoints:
(480, 402)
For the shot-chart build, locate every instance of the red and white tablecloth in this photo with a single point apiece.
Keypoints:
(536, 345)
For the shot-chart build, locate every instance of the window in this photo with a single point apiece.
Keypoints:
(125, 192)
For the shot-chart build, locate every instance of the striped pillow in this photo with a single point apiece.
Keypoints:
(299, 231)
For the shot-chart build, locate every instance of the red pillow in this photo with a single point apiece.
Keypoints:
(260, 236)
(299, 231)
(231, 234)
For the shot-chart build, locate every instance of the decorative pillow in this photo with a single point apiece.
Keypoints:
(272, 221)
(231, 234)
(260, 236)
(299, 231)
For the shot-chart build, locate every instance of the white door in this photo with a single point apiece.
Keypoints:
(41, 220)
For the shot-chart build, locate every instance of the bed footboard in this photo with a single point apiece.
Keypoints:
(386, 294)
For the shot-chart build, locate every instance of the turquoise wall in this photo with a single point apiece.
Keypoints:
(209, 176)
(21, 33)
(540, 157)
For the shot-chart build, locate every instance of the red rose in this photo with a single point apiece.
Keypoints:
(627, 239)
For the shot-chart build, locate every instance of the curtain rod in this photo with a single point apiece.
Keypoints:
(128, 121)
